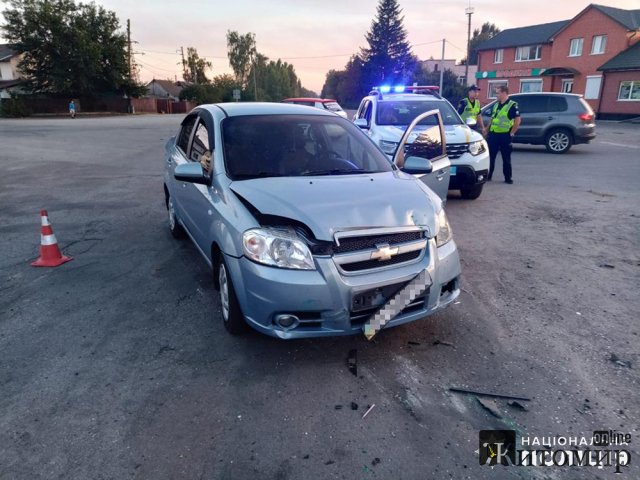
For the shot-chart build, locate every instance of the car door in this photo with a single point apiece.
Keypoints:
(425, 138)
(177, 157)
(196, 198)
(533, 116)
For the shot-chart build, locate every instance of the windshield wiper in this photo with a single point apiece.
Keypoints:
(337, 171)
(245, 176)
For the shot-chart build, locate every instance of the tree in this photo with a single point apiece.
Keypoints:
(484, 33)
(241, 50)
(195, 67)
(389, 57)
(219, 90)
(452, 89)
(69, 49)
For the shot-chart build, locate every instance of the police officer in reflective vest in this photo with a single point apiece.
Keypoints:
(503, 125)
(469, 107)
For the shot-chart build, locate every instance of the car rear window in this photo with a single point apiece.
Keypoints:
(333, 106)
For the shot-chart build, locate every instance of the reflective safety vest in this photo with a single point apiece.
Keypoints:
(501, 123)
(471, 110)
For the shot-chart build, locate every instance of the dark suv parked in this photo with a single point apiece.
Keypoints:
(555, 120)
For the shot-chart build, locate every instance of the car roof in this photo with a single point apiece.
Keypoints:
(309, 99)
(263, 108)
(417, 97)
(533, 94)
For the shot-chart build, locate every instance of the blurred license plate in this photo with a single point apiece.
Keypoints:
(453, 170)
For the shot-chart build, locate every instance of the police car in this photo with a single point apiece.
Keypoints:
(387, 111)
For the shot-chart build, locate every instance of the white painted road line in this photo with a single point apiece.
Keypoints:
(620, 145)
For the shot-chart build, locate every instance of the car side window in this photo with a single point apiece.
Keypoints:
(532, 103)
(185, 133)
(558, 104)
(367, 112)
(201, 147)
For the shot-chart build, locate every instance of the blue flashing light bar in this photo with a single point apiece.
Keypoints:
(385, 89)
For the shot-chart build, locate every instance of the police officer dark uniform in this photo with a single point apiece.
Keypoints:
(503, 124)
(469, 107)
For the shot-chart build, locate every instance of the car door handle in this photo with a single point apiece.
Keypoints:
(184, 185)
(440, 175)
(550, 118)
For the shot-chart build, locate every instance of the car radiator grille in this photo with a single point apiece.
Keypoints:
(353, 255)
(352, 244)
(456, 150)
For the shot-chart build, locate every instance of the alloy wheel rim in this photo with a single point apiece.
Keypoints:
(172, 216)
(559, 141)
(224, 292)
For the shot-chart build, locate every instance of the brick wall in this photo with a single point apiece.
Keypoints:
(591, 22)
(610, 106)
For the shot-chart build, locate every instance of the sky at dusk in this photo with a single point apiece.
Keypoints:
(314, 36)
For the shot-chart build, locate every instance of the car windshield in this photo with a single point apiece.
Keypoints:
(402, 113)
(333, 106)
(297, 145)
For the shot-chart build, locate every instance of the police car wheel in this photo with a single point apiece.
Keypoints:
(471, 193)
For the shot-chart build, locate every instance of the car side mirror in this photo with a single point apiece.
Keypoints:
(191, 172)
(362, 123)
(417, 166)
(471, 122)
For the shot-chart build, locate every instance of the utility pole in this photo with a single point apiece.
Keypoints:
(184, 64)
(129, 45)
(468, 11)
(129, 105)
(442, 67)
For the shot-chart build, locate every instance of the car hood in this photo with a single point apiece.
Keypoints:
(453, 133)
(330, 204)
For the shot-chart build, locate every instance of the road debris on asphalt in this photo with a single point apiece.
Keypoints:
(517, 405)
(623, 363)
(352, 361)
(354, 406)
(413, 343)
(490, 406)
(488, 394)
(368, 410)
(442, 342)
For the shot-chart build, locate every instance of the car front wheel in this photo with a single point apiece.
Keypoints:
(231, 315)
(472, 192)
(558, 141)
(174, 226)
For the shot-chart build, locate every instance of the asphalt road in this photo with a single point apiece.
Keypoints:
(116, 365)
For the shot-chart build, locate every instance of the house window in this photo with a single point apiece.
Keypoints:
(492, 91)
(598, 45)
(527, 86)
(497, 56)
(567, 85)
(592, 88)
(629, 91)
(530, 52)
(575, 50)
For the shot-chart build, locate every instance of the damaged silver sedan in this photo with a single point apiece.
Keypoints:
(307, 226)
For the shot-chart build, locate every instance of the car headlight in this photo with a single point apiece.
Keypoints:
(444, 229)
(476, 148)
(278, 248)
(388, 147)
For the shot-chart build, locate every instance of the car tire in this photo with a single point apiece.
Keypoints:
(232, 316)
(558, 141)
(174, 225)
(472, 192)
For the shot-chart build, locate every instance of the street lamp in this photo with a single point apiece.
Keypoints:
(468, 11)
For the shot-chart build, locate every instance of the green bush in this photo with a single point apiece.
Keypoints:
(14, 107)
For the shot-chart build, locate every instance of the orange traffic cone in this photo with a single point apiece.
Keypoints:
(50, 255)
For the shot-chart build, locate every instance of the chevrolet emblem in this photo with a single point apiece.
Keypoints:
(384, 253)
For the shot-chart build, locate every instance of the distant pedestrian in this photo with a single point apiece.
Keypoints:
(72, 109)
(503, 125)
(469, 107)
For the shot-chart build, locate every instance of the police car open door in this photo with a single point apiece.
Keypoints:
(423, 152)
